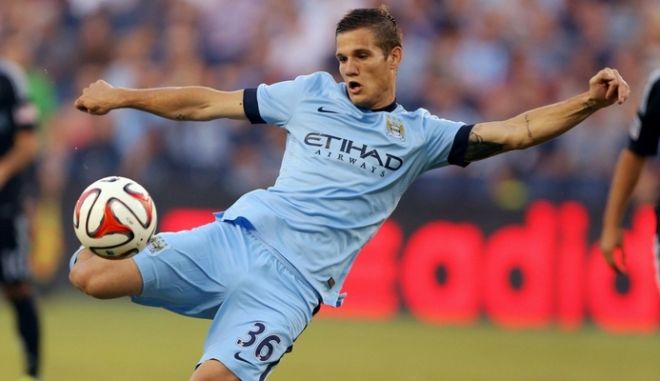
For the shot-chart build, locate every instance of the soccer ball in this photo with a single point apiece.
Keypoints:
(114, 217)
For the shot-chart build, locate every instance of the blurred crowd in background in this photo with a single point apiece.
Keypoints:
(467, 60)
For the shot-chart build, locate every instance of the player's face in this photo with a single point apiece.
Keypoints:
(370, 76)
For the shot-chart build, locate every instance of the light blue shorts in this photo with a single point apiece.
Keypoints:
(222, 271)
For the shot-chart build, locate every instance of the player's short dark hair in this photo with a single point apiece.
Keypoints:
(379, 20)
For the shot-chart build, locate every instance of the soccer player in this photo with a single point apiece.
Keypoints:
(263, 267)
(643, 142)
(18, 150)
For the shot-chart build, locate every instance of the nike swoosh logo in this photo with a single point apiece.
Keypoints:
(321, 109)
(238, 357)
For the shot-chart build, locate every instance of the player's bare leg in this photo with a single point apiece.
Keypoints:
(213, 370)
(104, 278)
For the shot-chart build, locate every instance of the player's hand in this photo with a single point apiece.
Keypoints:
(611, 242)
(607, 87)
(96, 98)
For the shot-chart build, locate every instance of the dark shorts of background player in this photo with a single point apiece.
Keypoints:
(14, 250)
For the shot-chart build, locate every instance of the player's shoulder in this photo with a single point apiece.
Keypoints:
(318, 78)
(418, 114)
(12, 75)
(654, 77)
(651, 92)
(318, 83)
(324, 76)
(654, 82)
(425, 117)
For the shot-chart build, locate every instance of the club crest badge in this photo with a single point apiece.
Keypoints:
(395, 128)
(156, 245)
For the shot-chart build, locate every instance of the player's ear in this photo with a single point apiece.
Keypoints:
(395, 57)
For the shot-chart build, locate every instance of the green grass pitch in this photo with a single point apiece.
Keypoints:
(87, 339)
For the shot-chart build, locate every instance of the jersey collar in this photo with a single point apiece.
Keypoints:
(389, 108)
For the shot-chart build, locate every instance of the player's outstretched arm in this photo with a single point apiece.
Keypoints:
(544, 123)
(179, 103)
(626, 174)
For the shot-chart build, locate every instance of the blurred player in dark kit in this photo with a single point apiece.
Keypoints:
(643, 142)
(18, 150)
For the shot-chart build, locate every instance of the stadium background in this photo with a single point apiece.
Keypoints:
(468, 60)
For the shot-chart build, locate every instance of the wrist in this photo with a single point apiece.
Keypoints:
(610, 226)
(120, 98)
(590, 103)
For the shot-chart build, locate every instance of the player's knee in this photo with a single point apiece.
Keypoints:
(15, 291)
(86, 279)
(81, 278)
(213, 370)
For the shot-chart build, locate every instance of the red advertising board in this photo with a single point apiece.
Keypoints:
(539, 272)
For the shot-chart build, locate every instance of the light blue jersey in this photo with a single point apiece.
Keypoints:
(343, 173)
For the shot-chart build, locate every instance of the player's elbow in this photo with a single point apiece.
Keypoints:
(514, 134)
(525, 142)
(194, 114)
(519, 139)
(506, 136)
(520, 144)
(514, 141)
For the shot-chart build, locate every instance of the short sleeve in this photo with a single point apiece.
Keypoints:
(276, 103)
(26, 116)
(446, 142)
(645, 131)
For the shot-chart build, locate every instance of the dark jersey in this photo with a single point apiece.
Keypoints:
(645, 131)
(16, 114)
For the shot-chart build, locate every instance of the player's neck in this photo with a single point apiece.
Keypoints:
(388, 107)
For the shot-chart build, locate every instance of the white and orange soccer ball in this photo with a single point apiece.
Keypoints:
(114, 217)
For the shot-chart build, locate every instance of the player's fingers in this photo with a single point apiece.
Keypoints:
(608, 253)
(611, 80)
(621, 264)
(616, 269)
(611, 73)
(611, 262)
(624, 88)
(618, 260)
(604, 76)
(80, 105)
(612, 89)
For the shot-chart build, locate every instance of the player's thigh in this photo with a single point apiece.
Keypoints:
(213, 370)
(187, 272)
(264, 312)
(17, 290)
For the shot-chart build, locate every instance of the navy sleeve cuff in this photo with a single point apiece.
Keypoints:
(458, 148)
(251, 106)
